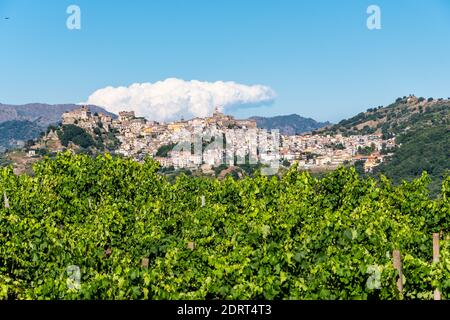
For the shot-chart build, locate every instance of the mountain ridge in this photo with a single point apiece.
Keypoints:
(44, 114)
(290, 124)
(404, 114)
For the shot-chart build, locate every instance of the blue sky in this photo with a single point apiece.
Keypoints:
(318, 56)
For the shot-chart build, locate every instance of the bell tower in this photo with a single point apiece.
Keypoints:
(217, 112)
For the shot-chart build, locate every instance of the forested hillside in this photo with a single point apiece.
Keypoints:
(421, 150)
(403, 115)
(422, 130)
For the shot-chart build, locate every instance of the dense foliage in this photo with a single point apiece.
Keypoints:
(421, 150)
(75, 134)
(294, 237)
(164, 150)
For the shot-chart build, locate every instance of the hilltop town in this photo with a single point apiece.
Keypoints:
(207, 143)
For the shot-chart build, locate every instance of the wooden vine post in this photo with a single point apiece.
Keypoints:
(144, 262)
(203, 201)
(437, 294)
(398, 266)
(5, 200)
(191, 245)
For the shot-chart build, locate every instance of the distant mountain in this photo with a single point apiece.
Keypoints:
(15, 133)
(19, 123)
(290, 124)
(40, 113)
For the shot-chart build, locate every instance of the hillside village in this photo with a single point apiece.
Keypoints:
(206, 143)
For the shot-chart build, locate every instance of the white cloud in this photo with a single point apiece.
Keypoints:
(172, 98)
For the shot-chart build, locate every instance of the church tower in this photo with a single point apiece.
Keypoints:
(217, 112)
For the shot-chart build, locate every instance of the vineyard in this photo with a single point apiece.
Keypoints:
(111, 228)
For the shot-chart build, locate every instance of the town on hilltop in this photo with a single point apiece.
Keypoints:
(222, 140)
